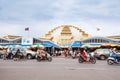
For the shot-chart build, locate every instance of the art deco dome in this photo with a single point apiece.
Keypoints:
(64, 35)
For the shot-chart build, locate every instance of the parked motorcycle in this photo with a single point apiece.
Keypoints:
(47, 57)
(91, 59)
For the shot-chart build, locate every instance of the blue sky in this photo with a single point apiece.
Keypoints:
(43, 15)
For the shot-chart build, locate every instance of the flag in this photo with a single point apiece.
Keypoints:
(98, 29)
(71, 37)
(51, 38)
(27, 29)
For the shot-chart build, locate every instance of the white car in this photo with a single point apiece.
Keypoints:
(26, 52)
(30, 54)
(92, 54)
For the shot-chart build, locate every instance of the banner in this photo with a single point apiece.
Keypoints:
(27, 29)
(27, 41)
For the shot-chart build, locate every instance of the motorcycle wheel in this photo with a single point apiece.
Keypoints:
(93, 61)
(38, 59)
(50, 59)
(73, 57)
(110, 62)
(15, 59)
(80, 60)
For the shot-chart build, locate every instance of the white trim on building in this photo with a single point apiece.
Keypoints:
(100, 40)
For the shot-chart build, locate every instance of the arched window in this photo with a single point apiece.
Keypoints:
(98, 40)
(95, 40)
(90, 40)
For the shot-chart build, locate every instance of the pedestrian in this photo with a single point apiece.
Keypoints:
(18, 54)
(5, 54)
(66, 53)
(56, 53)
(9, 50)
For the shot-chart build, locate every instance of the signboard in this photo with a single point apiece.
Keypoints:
(27, 41)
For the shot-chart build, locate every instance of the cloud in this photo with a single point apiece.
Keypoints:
(43, 15)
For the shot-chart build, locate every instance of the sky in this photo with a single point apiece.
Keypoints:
(43, 15)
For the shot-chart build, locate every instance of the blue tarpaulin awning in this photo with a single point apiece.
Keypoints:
(76, 44)
(49, 44)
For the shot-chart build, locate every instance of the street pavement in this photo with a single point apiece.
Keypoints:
(58, 69)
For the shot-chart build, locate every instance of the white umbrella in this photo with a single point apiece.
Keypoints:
(38, 46)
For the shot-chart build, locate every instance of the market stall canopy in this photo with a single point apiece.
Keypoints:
(105, 45)
(86, 46)
(109, 45)
(37, 46)
(90, 45)
(1, 47)
(113, 45)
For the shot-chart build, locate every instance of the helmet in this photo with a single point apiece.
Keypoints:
(114, 49)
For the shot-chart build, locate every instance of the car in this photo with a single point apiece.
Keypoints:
(102, 54)
(91, 53)
(29, 54)
(1, 54)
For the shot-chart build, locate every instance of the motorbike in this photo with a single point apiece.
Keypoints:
(113, 59)
(81, 59)
(18, 57)
(73, 55)
(47, 57)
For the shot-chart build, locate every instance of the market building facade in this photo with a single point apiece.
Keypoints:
(64, 36)
(70, 36)
(96, 42)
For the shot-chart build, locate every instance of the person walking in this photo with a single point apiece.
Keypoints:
(5, 54)
(9, 51)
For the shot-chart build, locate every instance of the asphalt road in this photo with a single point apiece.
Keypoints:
(58, 69)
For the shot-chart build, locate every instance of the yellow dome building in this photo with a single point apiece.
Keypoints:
(64, 35)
